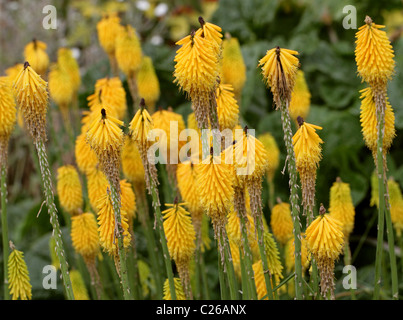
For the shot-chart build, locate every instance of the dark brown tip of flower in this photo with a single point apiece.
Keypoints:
(26, 64)
(368, 20)
(245, 129)
(322, 209)
(11, 245)
(278, 199)
(100, 96)
(142, 103)
(338, 179)
(218, 79)
(34, 42)
(176, 200)
(211, 151)
(277, 50)
(300, 121)
(103, 112)
(228, 35)
(201, 21)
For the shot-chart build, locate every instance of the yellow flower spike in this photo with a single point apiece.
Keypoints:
(279, 68)
(260, 280)
(31, 95)
(289, 253)
(132, 165)
(163, 119)
(69, 189)
(109, 94)
(234, 228)
(250, 156)
(180, 295)
(108, 29)
(8, 115)
(180, 234)
(369, 122)
(86, 158)
(148, 83)
(79, 289)
(325, 240)
(227, 107)
(18, 276)
(214, 185)
(396, 206)
(211, 32)
(300, 98)
(128, 200)
(273, 153)
(342, 207)
(84, 235)
(186, 174)
(97, 184)
(233, 69)
(67, 62)
(128, 50)
(273, 258)
(35, 54)
(281, 222)
(61, 88)
(141, 125)
(308, 153)
(107, 227)
(373, 53)
(105, 137)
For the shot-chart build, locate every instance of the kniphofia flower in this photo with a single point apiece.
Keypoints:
(273, 154)
(67, 62)
(86, 158)
(325, 241)
(181, 238)
(128, 51)
(279, 68)
(368, 121)
(69, 189)
(105, 137)
(108, 228)
(35, 54)
(84, 236)
(18, 276)
(108, 29)
(61, 88)
(227, 107)
(342, 207)
(396, 206)
(373, 54)
(233, 69)
(308, 153)
(300, 98)
(147, 82)
(281, 222)
(31, 94)
(7, 116)
(97, 183)
(132, 166)
(180, 295)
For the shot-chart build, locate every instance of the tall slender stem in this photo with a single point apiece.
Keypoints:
(123, 272)
(49, 198)
(163, 239)
(4, 228)
(292, 171)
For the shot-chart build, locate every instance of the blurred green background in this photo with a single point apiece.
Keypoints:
(312, 27)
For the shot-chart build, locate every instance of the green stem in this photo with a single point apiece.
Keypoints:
(230, 269)
(123, 272)
(4, 228)
(151, 244)
(49, 198)
(292, 171)
(246, 292)
(392, 255)
(263, 256)
(204, 277)
(221, 278)
(247, 254)
(163, 240)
